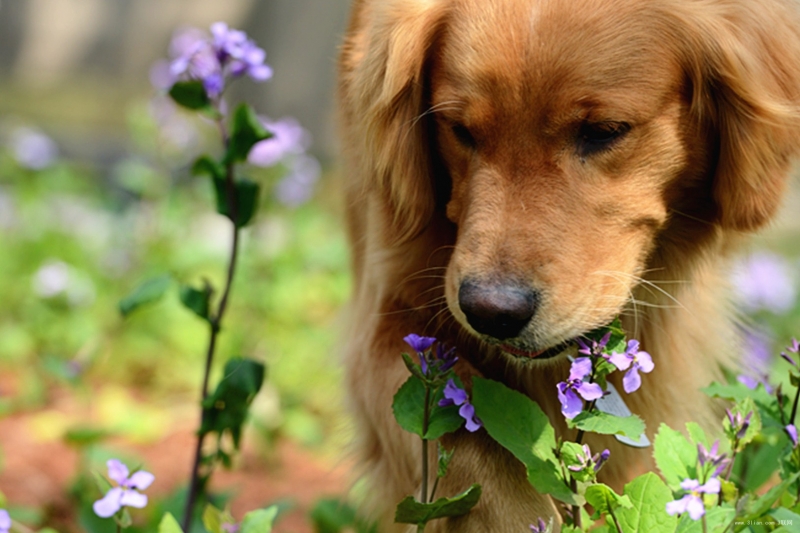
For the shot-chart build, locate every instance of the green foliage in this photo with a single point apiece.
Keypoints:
(168, 524)
(148, 292)
(246, 131)
(608, 424)
(259, 521)
(649, 496)
(245, 193)
(331, 515)
(410, 511)
(190, 94)
(675, 456)
(409, 406)
(520, 426)
(605, 500)
(196, 300)
(226, 409)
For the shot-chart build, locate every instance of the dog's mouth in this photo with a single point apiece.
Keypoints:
(568, 347)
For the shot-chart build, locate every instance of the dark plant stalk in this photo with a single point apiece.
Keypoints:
(614, 519)
(576, 511)
(215, 326)
(423, 497)
(794, 406)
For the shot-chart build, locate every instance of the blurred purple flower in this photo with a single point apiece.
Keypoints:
(693, 502)
(5, 521)
(230, 528)
(712, 457)
(757, 360)
(764, 281)
(288, 137)
(635, 360)
(540, 527)
(297, 187)
(571, 391)
(33, 149)
(791, 430)
(227, 53)
(125, 495)
(453, 395)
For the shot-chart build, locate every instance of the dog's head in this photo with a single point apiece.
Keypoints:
(575, 145)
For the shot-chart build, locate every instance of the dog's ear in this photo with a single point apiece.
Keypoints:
(387, 84)
(745, 74)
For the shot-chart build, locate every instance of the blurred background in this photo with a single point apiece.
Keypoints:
(96, 196)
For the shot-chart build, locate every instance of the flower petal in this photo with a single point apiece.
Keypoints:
(712, 486)
(467, 412)
(141, 479)
(131, 498)
(109, 504)
(695, 508)
(5, 520)
(633, 347)
(632, 381)
(689, 484)
(117, 471)
(620, 360)
(645, 362)
(678, 506)
(571, 404)
(581, 367)
(419, 344)
(590, 391)
(791, 430)
(454, 393)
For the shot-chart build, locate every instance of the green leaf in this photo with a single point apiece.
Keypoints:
(409, 404)
(604, 499)
(190, 94)
(196, 300)
(168, 524)
(519, 425)
(206, 166)
(760, 506)
(246, 194)
(147, 292)
(444, 458)
(332, 516)
(85, 436)
(259, 521)
(696, 434)
(410, 511)
(785, 516)
(608, 424)
(226, 409)
(675, 456)
(649, 496)
(737, 392)
(246, 131)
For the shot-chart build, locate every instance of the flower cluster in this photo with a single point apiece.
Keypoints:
(693, 501)
(539, 527)
(212, 59)
(124, 495)
(435, 365)
(587, 461)
(711, 459)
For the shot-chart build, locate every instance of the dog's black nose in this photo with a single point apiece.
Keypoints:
(499, 310)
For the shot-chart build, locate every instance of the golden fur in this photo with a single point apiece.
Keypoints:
(465, 134)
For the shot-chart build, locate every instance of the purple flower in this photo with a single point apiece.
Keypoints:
(297, 187)
(791, 430)
(764, 281)
(453, 395)
(595, 347)
(125, 495)
(419, 344)
(540, 527)
(693, 502)
(571, 391)
(288, 138)
(635, 360)
(228, 53)
(587, 460)
(712, 457)
(739, 424)
(33, 149)
(5, 521)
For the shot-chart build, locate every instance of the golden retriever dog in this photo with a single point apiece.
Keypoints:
(520, 172)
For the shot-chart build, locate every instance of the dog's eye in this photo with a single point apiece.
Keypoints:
(463, 135)
(601, 135)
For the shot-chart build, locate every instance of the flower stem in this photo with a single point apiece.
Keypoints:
(215, 326)
(423, 497)
(705, 525)
(614, 519)
(794, 406)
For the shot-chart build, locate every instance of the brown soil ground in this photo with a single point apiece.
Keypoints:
(37, 472)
